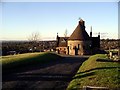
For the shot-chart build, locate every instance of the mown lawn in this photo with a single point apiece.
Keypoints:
(15, 62)
(97, 71)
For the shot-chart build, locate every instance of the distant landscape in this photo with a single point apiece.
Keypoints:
(41, 46)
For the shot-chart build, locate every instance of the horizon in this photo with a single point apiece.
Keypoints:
(20, 20)
(42, 40)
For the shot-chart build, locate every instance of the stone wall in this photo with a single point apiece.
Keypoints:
(61, 50)
(82, 47)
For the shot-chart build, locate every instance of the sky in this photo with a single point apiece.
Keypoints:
(21, 19)
(119, 20)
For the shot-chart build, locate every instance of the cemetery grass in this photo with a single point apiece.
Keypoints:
(98, 73)
(16, 62)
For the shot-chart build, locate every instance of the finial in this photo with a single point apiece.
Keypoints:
(79, 18)
(99, 33)
(91, 29)
(57, 35)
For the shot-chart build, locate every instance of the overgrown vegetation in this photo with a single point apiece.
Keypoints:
(94, 72)
(15, 62)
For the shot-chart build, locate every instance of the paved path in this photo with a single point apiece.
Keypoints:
(56, 75)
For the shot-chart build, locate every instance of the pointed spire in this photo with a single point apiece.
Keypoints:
(99, 34)
(57, 36)
(91, 31)
(79, 33)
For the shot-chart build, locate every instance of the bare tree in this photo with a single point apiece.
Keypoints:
(34, 37)
(66, 32)
(33, 40)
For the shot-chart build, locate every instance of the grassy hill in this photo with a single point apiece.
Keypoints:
(15, 62)
(97, 71)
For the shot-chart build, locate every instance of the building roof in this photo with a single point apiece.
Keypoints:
(62, 41)
(80, 32)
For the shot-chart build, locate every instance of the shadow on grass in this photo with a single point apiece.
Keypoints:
(39, 77)
(91, 72)
(43, 61)
(51, 73)
(83, 75)
(99, 68)
(47, 75)
(30, 63)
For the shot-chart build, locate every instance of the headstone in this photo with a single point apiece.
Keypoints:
(110, 55)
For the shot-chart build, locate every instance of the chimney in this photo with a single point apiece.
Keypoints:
(81, 22)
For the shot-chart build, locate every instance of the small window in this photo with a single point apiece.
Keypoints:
(83, 47)
(78, 46)
(70, 46)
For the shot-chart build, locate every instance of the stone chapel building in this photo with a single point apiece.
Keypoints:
(79, 43)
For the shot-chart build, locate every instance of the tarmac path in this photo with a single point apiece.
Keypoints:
(52, 76)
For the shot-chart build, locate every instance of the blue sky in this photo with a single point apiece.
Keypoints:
(20, 19)
(119, 20)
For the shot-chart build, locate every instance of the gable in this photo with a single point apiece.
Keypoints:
(62, 41)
